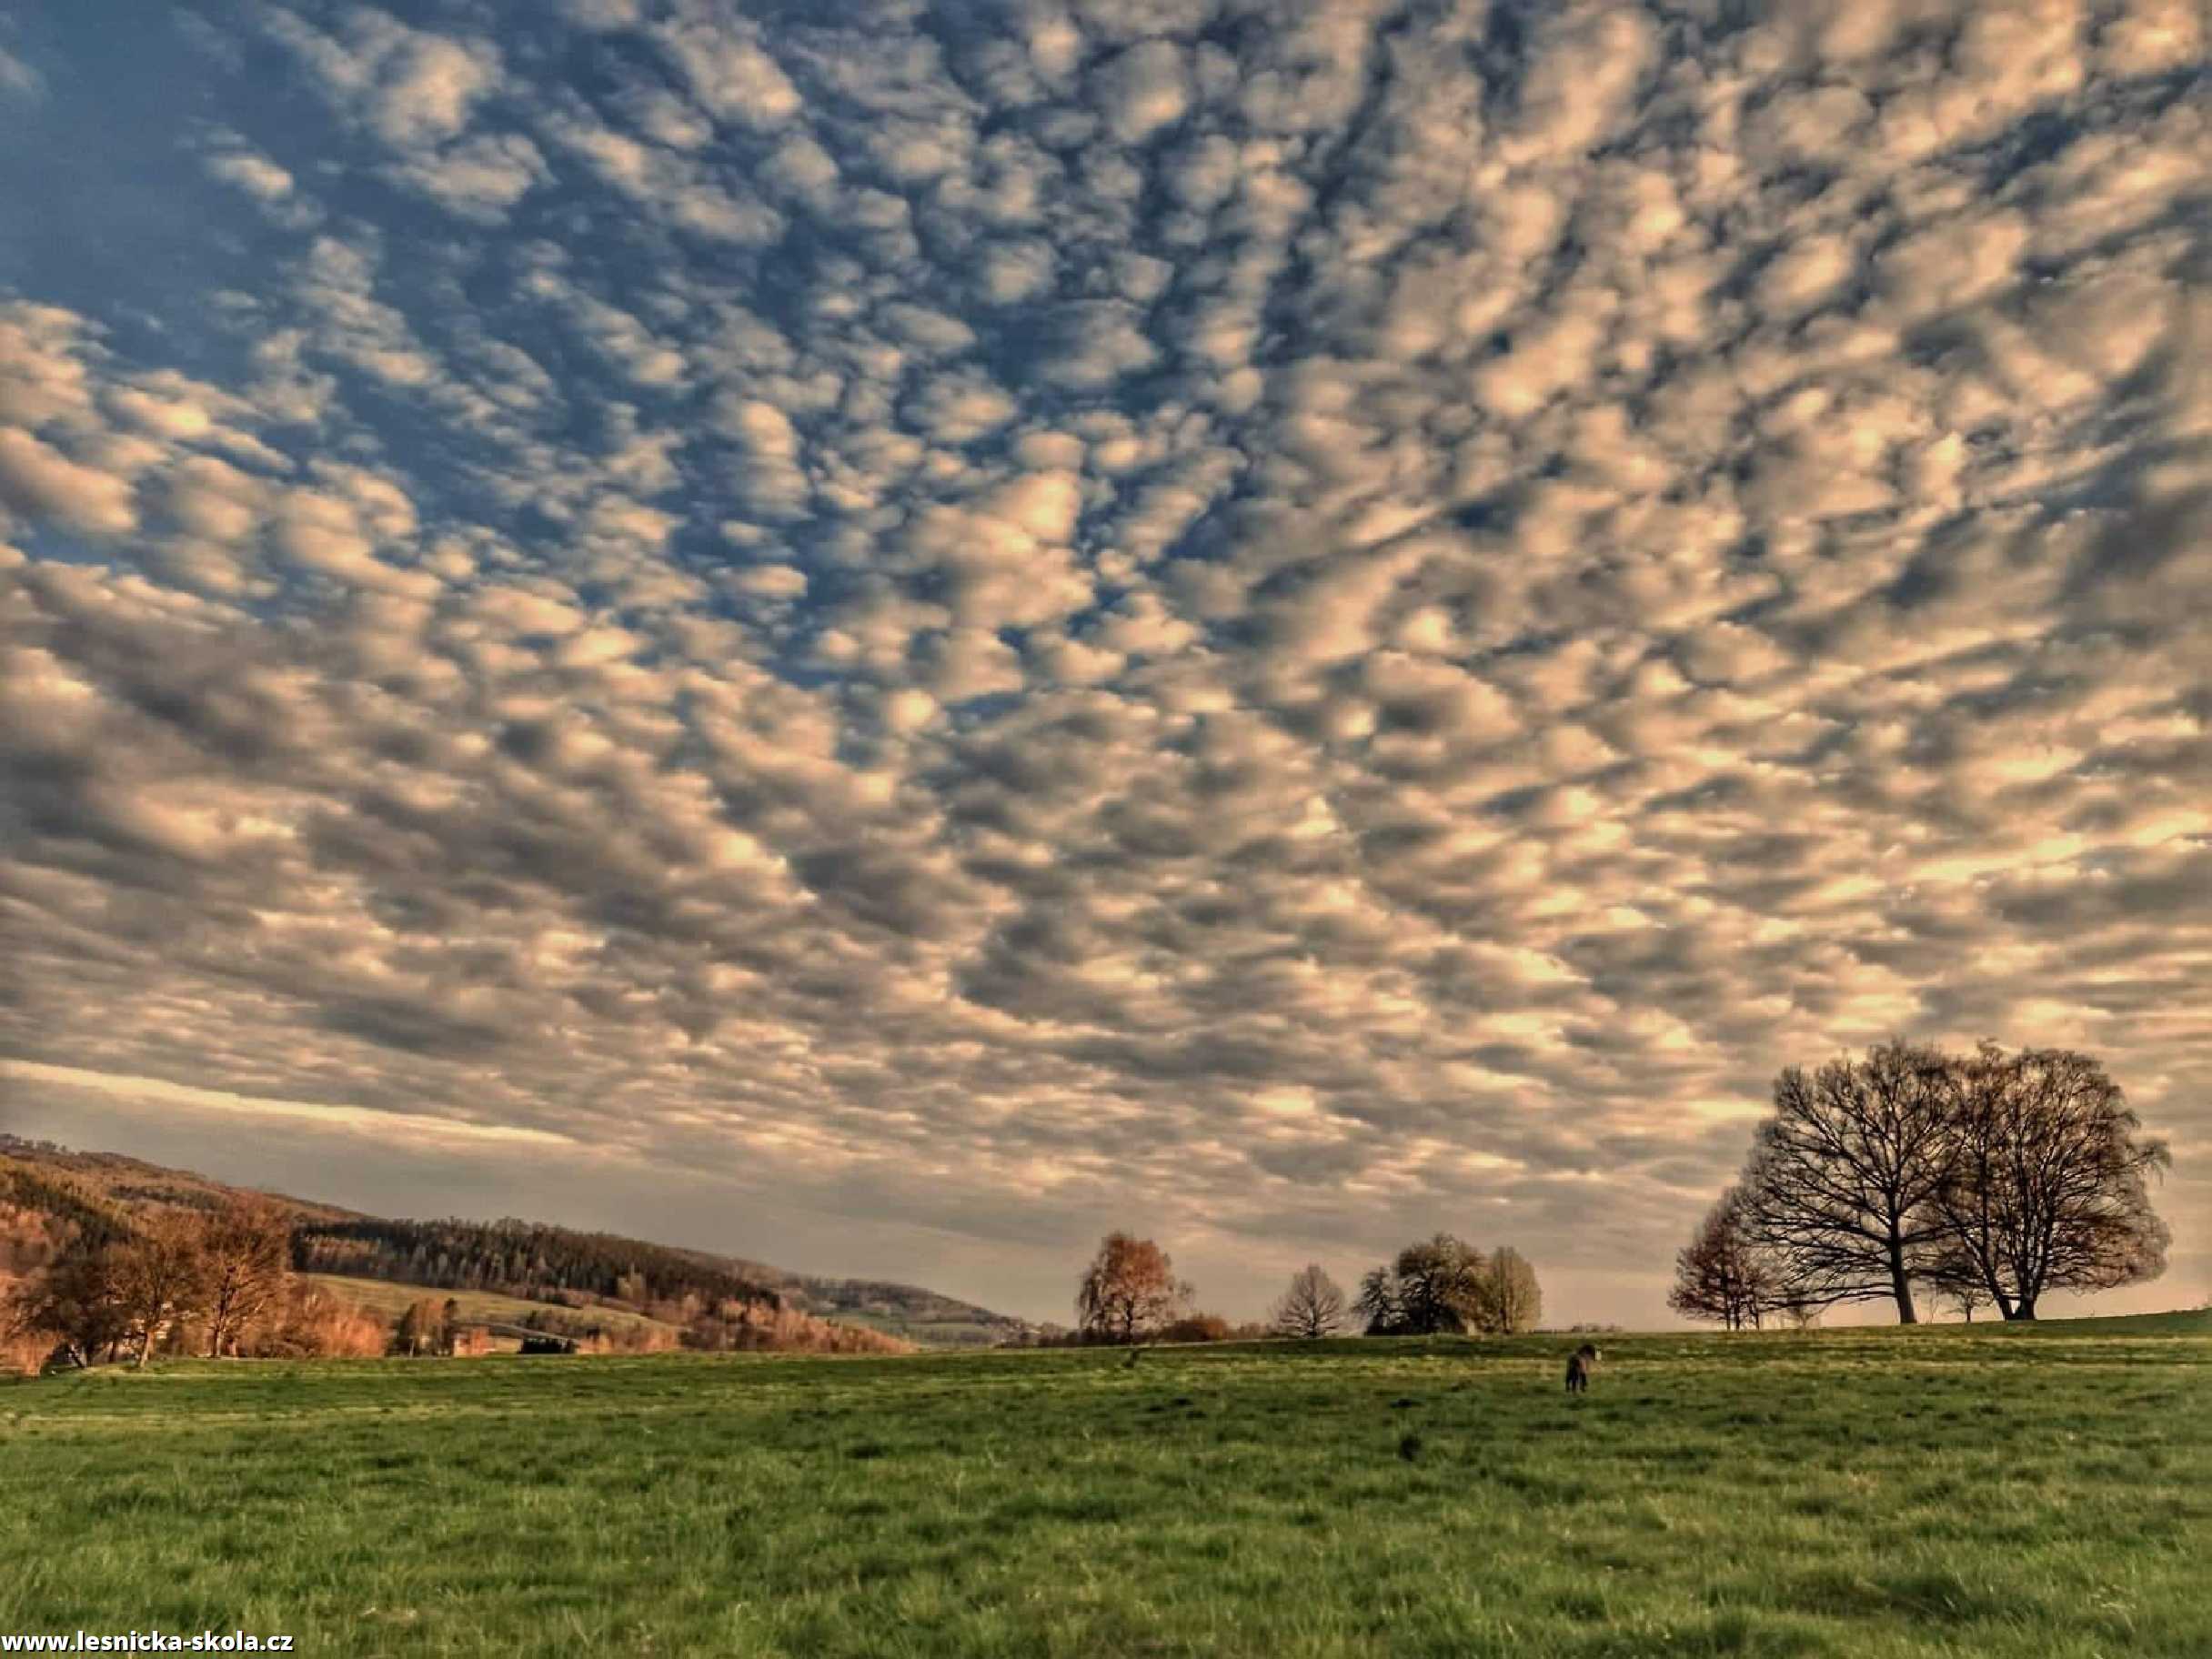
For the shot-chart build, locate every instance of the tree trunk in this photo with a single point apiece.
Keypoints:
(1901, 1285)
(2022, 1310)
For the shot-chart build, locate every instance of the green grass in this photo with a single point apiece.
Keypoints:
(1872, 1494)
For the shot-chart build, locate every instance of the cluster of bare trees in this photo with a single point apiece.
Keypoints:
(1989, 1179)
(1130, 1293)
(216, 1282)
(1445, 1284)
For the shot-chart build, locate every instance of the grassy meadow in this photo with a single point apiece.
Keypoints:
(2044, 1495)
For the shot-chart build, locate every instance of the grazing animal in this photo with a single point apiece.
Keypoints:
(1580, 1364)
(1131, 1363)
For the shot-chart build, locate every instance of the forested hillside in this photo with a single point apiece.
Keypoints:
(529, 1259)
(52, 1197)
(125, 1183)
(41, 1214)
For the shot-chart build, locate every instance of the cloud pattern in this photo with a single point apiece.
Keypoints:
(1294, 624)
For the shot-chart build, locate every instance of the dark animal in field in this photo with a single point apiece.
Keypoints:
(1580, 1364)
(1130, 1363)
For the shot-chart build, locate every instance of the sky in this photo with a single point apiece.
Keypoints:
(884, 637)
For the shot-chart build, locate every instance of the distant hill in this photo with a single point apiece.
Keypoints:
(128, 1181)
(46, 1190)
(897, 1310)
(531, 1260)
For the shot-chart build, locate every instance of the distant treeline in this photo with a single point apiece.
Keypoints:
(87, 1277)
(530, 1261)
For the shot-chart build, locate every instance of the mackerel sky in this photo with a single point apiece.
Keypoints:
(884, 636)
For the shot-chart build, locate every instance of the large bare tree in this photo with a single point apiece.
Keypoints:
(1994, 1177)
(1128, 1291)
(2045, 1186)
(1722, 1274)
(1842, 1180)
(1312, 1307)
(159, 1276)
(247, 1247)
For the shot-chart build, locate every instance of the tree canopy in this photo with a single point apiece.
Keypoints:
(1442, 1283)
(1130, 1290)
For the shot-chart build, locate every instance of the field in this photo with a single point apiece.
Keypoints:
(2044, 1495)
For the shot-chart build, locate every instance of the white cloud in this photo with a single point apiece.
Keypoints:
(479, 178)
(1233, 615)
(41, 482)
(412, 87)
(1145, 89)
(258, 175)
(17, 79)
(731, 76)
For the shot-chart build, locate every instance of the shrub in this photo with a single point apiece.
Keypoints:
(310, 1323)
(1198, 1328)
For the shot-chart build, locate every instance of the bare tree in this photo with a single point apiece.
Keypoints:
(1993, 1179)
(248, 1250)
(2046, 1185)
(1722, 1273)
(1379, 1303)
(1965, 1296)
(1128, 1290)
(159, 1276)
(1952, 1271)
(1842, 1180)
(1799, 1313)
(1511, 1299)
(1312, 1307)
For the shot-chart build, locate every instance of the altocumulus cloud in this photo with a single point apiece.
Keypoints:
(1289, 625)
